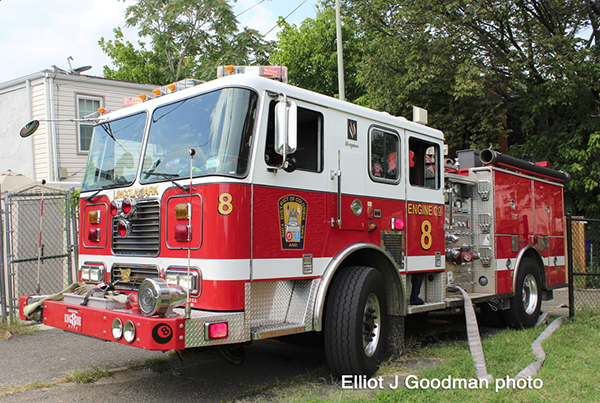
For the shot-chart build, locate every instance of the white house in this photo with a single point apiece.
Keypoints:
(58, 150)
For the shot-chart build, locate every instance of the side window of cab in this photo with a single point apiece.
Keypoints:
(309, 151)
(424, 170)
(384, 156)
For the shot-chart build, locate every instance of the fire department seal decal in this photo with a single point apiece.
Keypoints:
(162, 333)
(292, 221)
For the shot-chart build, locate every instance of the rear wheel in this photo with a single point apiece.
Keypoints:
(525, 306)
(355, 322)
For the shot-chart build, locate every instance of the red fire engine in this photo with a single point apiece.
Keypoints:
(245, 208)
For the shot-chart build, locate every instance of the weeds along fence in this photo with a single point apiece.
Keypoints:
(583, 247)
(38, 241)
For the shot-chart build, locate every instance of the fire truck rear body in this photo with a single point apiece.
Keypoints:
(260, 248)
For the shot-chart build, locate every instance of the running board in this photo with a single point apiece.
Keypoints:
(280, 329)
(426, 307)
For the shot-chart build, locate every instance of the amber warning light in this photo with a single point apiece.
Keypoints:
(278, 73)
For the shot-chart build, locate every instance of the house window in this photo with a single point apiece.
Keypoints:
(86, 106)
(384, 158)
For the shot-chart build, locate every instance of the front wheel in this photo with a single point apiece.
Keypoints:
(355, 322)
(526, 305)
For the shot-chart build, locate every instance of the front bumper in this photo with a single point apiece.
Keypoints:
(151, 333)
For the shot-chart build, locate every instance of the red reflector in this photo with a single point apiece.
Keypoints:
(126, 206)
(123, 228)
(114, 208)
(217, 330)
(183, 233)
(398, 223)
(94, 234)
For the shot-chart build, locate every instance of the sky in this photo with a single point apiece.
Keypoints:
(38, 34)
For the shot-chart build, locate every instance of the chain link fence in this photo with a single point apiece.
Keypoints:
(583, 240)
(37, 245)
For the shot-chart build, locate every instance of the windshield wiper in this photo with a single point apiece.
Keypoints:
(90, 198)
(169, 177)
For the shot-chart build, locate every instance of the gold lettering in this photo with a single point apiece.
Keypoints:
(425, 210)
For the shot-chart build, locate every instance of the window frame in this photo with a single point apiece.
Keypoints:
(438, 174)
(320, 137)
(78, 113)
(392, 132)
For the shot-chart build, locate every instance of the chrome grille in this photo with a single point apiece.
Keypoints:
(126, 277)
(144, 238)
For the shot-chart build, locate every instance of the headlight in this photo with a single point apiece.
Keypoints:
(156, 296)
(117, 328)
(129, 331)
(92, 274)
(189, 281)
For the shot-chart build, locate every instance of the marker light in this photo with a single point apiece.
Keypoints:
(94, 217)
(156, 91)
(172, 87)
(94, 234)
(183, 233)
(182, 211)
(143, 97)
(372, 226)
(216, 330)
(398, 224)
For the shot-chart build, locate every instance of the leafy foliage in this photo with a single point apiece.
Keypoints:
(521, 76)
(187, 38)
(310, 53)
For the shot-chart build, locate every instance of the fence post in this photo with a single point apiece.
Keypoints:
(74, 220)
(570, 265)
(9, 254)
(3, 278)
(68, 237)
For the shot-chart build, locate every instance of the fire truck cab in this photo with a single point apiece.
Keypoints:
(245, 208)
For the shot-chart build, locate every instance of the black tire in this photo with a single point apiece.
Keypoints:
(526, 305)
(355, 322)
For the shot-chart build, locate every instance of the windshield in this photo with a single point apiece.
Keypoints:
(217, 125)
(114, 153)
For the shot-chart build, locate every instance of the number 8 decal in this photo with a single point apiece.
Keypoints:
(426, 238)
(225, 207)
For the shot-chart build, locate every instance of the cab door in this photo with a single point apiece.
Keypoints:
(289, 214)
(425, 243)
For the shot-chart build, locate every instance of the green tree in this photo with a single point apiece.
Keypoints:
(309, 51)
(517, 74)
(186, 38)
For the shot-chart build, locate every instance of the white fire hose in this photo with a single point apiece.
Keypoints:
(477, 350)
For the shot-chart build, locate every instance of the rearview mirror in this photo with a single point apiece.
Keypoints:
(29, 128)
(286, 123)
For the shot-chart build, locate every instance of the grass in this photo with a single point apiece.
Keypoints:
(75, 376)
(569, 373)
(15, 326)
(88, 376)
